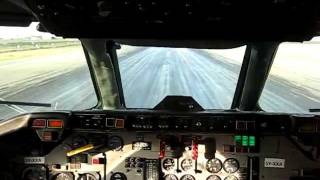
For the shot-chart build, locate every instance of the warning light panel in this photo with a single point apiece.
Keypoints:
(55, 123)
(252, 141)
(245, 140)
(47, 136)
(237, 139)
(119, 123)
(39, 123)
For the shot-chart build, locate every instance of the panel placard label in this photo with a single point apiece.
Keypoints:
(141, 145)
(274, 163)
(34, 160)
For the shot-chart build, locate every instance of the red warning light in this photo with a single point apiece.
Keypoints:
(55, 123)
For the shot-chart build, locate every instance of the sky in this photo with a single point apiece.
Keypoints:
(21, 32)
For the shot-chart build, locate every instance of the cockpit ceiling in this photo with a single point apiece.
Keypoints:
(15, 13)
(245, 20)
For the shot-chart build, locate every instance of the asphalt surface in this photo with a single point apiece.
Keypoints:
(148, 75)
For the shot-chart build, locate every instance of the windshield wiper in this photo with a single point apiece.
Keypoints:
(18, 103)
(314, 110)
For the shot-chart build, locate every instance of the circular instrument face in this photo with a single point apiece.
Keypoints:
(231, 165)
(63, 176)
(87, 176)
(168, 164)
(214, 165)
(170, 177)
(231, 177)
(118, 176)
(186, 164)
(115, 143)
(213, 177)
(187, 177)
(34, 174)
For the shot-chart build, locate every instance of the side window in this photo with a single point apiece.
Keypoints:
(293, 85)
(41, 68)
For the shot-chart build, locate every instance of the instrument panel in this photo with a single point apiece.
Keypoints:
(146, 155)
(151, 146)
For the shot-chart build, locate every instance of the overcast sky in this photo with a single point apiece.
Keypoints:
(21, 32)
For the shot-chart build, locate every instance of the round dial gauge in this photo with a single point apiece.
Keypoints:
(214, 165)
(118, 176)
(87, 176)
(170, 177)
(231, 165)
(186, 164)
(34, 173)
(168, 164)
(213, 177)
(231, 177)
(63, 176)
(115, 143)
(187, 177)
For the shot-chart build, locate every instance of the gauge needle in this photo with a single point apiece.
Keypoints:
(196, 167)
(178, 169)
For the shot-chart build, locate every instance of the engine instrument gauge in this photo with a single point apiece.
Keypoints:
(88, 176)
(187, 177)
(186, 164)
(214, 165)
(231, 177)
(168, 164)
(213, 177)
(32, 173)
(63, 176)
(170, 177)
(115, 143)
(231, 165)
(118, 176)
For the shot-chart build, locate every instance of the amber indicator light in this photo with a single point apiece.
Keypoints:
(119, 123)
(47, 136)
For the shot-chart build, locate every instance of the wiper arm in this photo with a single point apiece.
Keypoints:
(314, 110)
(18, 103)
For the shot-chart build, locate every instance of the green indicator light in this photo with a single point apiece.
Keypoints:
(245, 140)
(237, 139)
(252, 141)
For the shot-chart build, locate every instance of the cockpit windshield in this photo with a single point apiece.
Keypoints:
(42, 72)
(149, 74)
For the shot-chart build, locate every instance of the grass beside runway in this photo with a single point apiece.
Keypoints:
(20, 55)
(27, 44)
